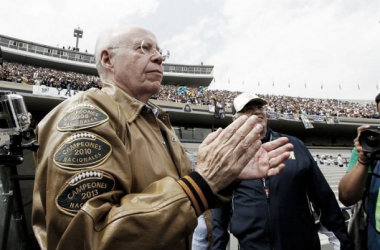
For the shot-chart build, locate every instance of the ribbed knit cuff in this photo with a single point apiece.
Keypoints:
(198, 191)
(229, 190)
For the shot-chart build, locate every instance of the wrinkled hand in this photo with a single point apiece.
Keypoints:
(224, 153)
(268, 161)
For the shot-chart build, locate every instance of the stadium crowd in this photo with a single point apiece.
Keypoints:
(32, 75)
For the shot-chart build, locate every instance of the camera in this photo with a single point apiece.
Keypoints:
(14, 117)
(370, 141)
(15, 123)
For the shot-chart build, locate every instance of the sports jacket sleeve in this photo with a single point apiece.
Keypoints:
(323, 198)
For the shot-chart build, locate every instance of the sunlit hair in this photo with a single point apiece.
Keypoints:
(105, 39)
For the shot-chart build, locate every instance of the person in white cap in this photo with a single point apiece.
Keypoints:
(276, 212)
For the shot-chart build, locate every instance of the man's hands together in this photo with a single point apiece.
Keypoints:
(236, 152)
(268, 161)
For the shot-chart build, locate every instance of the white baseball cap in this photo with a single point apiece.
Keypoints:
(243, 99)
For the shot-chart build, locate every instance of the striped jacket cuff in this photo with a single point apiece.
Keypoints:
(198, 191)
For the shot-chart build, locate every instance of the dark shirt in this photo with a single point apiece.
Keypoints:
(283, 219)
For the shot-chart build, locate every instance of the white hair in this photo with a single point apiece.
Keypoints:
(106, 40)
(109, 38)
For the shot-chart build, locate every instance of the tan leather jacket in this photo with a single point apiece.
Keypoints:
(105, 178)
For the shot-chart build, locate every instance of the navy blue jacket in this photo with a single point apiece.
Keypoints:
(283, 219)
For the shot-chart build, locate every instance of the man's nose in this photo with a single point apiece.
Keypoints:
(157, 57)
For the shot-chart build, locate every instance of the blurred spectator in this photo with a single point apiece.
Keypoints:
(340, 160)
(316, 158)
(329, 160)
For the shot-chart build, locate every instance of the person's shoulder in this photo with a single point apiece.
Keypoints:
(75, 99)
(290, 137)
(81, 100)
(94, 96)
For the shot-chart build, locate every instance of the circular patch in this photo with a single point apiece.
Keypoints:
(82, 187)
(82, 116)
(82, 150)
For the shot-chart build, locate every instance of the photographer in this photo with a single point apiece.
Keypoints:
(353, 185)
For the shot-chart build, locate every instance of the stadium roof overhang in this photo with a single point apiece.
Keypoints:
(177, 79)
(19, 56)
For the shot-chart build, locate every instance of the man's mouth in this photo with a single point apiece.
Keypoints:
(155, 71)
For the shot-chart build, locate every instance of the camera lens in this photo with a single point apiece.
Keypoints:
(372, 141)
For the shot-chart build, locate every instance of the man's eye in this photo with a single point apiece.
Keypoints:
(146, 47)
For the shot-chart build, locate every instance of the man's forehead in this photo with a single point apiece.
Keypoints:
(137, 34)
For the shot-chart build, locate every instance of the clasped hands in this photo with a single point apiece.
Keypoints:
(236, 153)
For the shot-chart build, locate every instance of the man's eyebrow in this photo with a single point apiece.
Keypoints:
(152, 43)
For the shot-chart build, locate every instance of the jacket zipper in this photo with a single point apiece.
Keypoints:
(270, 226)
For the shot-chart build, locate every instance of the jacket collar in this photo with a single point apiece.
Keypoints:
(270, 135)
(130, 106)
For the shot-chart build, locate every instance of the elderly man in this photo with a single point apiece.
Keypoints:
(111, 174)
(276, 212)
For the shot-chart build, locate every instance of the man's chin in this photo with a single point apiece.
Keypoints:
(154, 87)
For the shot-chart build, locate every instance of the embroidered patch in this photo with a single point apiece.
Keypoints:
(82, 116)
(82, 187)
(82, 150)
(292, 156)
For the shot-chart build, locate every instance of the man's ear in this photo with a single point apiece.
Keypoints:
(106, 59)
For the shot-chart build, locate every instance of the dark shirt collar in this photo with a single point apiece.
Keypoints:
(268, 136)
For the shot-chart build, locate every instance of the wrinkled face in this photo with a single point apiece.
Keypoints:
(258, 109)
(137, 73)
